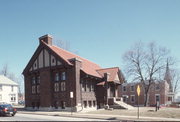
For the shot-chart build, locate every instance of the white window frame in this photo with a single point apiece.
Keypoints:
(38, 88)
(63, 86)
(33, 89)
(56, 87)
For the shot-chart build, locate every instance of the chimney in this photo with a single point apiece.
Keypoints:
(46, 38)
(106, 76)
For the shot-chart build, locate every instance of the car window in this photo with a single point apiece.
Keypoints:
(7, 105)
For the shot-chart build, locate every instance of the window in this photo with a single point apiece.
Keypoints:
(90, 103)
(124, 88)
(0, 87)
(35, 65)
(0, 97)
(157, 97)
(12, 97)
(63, 86)
(63, 104)
(94, 103)
(38, 89)
(56, 87)
(169, 98)
(132, 88)
(89, 86)
(38, 79)
(132, 98)
(124, 98)
(157, 87)
(57, 77)
(83, 85)
(92, 86)
(63, 76)
(33, 80)
(53, 60)
(88, 89)
(85, 104)
(12, 88)
(33, 89)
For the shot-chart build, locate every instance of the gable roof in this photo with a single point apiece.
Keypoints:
(87, 66)
(6, 81)
(113, 72)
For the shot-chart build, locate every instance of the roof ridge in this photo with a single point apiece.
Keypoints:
(108, 68)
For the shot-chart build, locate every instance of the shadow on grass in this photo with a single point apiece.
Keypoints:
(112, 118)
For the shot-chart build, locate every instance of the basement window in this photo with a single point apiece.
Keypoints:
(90, 103)
(94, 103)
(85, 104)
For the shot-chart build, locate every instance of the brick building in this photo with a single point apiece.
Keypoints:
(52, 73)
(159, 91)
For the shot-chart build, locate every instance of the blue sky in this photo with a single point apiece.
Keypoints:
(100, 30)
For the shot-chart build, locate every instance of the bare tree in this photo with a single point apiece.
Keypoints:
(5, 70)
(143, 64)
(21, 84)
(63, 44)
(175, 81)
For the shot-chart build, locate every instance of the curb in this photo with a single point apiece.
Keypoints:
(104, 117)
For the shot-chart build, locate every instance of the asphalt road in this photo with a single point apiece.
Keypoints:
(32, 117)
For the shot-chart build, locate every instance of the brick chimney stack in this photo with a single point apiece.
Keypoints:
(46, 38)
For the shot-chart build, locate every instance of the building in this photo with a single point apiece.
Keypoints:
(161, 91)
(52, 74)
(8, 90)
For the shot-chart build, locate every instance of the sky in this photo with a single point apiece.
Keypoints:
(99, 30)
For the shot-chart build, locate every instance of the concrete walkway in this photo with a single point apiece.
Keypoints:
(99, 116)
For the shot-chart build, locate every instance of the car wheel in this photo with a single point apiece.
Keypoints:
(12, 114)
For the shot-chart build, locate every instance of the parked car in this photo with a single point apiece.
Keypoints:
(7, 109)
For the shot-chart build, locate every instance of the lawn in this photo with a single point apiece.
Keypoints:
(144, 111)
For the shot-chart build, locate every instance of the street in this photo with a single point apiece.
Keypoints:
(32, 117)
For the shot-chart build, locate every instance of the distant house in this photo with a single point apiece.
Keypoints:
(8, 90)
(56, 79)
(160, 91)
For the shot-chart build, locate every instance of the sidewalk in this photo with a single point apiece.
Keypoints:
(99, 116)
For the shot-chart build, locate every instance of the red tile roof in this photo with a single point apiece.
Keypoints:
(87, 66)
(112, 73)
